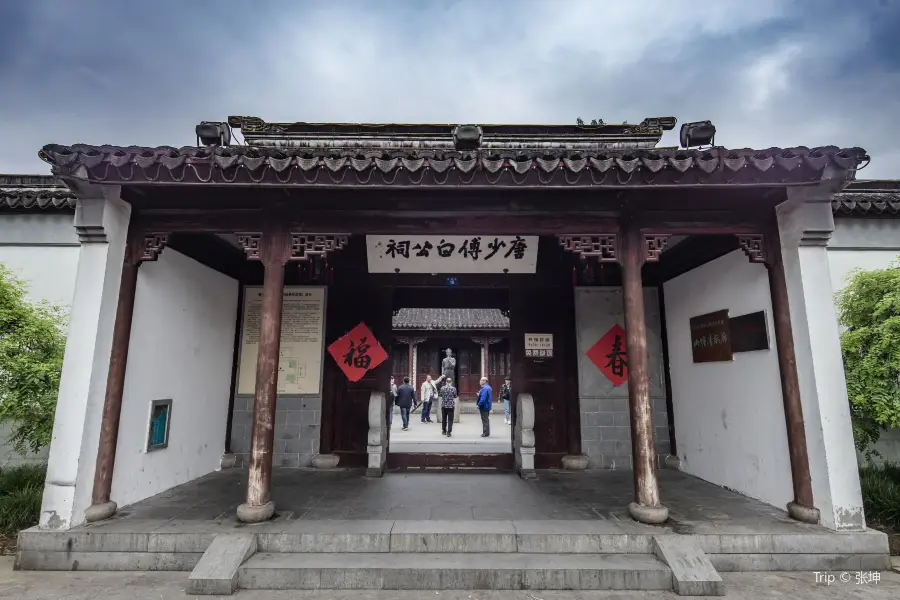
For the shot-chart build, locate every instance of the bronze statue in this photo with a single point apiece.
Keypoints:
(448, 366)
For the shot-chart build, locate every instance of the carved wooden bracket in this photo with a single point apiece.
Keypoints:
(494, 340)
(654, 244)
(412, 341)
(754, 247)
(603, 247)
(250, 243)
(145, 248)
(305, 245)
(153, 244)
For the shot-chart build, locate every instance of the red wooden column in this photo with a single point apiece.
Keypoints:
(273, 248)
(411, 342)
(137, 250)
(486, 370)
(636, 249)
(767, 250)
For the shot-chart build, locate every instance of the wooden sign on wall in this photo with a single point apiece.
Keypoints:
(749, 332)
(711, 337)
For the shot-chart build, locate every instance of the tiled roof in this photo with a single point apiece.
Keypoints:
(450, 318)
(868, 198)
(34, 191)
(521, 164)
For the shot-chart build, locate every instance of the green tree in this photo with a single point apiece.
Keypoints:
(32, 341)
(869, 309)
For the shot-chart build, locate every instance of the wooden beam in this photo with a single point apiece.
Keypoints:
(400, 222)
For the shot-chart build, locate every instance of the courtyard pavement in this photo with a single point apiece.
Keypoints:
(466, 438)
(30, 585)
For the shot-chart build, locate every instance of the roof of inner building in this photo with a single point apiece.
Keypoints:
(450, 319)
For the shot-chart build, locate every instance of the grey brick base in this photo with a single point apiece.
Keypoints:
(297, 427)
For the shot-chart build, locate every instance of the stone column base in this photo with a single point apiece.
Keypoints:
(229, 461)
(651, 515)
(255, 514)
(575, 462)
(673, 462)
(804, 514)
(325, 461)
(100, 512)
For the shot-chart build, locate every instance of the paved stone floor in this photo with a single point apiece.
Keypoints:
(695, 506)
(24, 585)
(466, 438)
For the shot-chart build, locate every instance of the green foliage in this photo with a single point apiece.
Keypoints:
(881, 494)
(869, 309)
(21, 488)
(32, 341)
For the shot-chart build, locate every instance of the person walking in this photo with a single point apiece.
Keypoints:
(485, 399)
(447, 395)
(427, 394)
(406, 397)
(506, 396)
(393, 400)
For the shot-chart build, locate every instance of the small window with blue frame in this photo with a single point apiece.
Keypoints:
(160, 413)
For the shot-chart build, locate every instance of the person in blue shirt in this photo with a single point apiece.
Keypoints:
(485, 398)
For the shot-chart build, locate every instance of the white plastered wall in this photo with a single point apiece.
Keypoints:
(729, 416)
(102, 221)
(182, 340)
(866, 244)
(42, 250)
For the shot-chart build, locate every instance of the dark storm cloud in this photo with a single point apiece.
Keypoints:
(766, 72)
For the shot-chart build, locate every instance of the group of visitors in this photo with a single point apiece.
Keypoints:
(404, 396)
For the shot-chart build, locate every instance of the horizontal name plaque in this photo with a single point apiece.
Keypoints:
(442, 254)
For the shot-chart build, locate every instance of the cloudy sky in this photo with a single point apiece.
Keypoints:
(766, 72)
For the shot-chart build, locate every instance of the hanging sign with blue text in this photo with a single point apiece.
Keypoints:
(439, 254)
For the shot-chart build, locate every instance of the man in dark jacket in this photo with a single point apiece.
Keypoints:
(485, 400)
(406, 397)
(506, 396)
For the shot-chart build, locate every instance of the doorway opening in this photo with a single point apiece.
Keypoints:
(442, 338)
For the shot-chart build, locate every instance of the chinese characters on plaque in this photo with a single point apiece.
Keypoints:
(711, 337)
(452, 253)
(608, 354)
(357, 352)
(539, 345)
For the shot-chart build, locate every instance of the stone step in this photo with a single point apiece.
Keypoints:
(448, 571)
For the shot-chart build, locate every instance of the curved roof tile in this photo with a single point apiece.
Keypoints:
(565, 167)
(450, 318)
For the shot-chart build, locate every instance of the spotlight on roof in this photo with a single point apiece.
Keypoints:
(701, 133)
(467, 137)
(213, 133)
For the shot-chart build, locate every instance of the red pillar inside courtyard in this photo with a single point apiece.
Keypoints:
(274, 251)
(635, 249)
